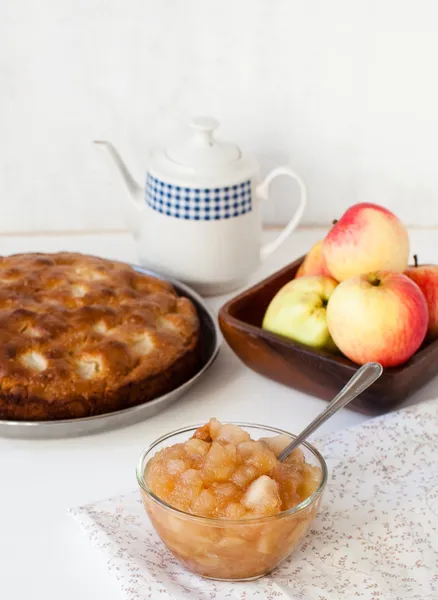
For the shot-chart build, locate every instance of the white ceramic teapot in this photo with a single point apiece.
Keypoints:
(198, 219)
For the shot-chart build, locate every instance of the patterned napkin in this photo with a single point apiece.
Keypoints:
(376, 537)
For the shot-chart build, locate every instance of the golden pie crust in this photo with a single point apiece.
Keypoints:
(82, 336)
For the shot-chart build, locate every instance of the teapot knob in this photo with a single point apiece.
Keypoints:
(204, 127)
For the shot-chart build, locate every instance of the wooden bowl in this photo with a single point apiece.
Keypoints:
(315, 372)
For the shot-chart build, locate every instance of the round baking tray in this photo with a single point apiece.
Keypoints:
(210, 344)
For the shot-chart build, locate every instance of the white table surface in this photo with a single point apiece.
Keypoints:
(43, 553)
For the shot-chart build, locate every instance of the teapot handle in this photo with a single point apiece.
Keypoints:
(262, 191)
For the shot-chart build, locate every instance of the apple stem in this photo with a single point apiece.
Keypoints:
(415, 260)
(334, 221)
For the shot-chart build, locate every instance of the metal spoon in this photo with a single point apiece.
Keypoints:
(360, 381)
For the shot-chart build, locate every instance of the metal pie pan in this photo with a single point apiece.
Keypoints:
(210, 344)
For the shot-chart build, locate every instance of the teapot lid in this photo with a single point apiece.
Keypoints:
(200, 149)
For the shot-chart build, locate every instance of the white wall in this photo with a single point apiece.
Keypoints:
(345, 90)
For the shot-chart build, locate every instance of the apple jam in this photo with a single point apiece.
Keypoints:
(230, 488)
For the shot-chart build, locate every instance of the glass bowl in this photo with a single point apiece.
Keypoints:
(226, 549)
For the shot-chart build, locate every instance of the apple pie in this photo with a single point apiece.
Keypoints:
(82, 336)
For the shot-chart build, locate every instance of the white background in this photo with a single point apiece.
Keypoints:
(345, 91)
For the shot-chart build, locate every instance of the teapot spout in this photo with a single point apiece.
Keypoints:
(135, 190)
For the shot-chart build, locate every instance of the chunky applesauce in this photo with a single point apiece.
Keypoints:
(240, 486)
(221, 472)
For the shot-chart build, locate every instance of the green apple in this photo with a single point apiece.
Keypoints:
(298, 311)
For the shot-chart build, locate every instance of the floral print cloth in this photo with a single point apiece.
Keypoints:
(376, 536)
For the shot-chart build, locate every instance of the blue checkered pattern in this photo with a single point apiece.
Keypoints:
(198, 204)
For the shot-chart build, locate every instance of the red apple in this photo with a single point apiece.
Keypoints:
(366, 238)
(314, 262)
(380, 316)
(426, 277)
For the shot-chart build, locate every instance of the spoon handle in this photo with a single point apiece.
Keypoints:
(362, 379)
